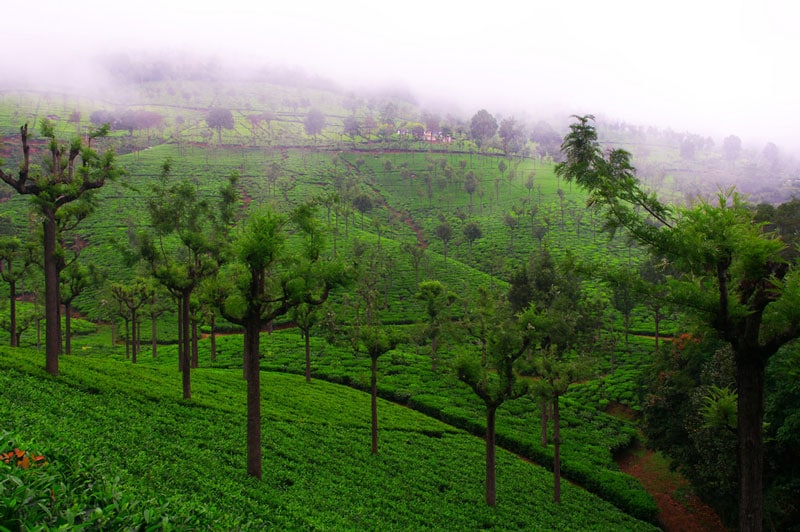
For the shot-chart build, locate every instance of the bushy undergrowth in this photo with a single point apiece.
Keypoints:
(55, 488)
(590, 438)
(319, 473)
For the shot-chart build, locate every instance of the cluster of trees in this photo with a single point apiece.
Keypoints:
(730, 272)
(129, 120)
(726, 262)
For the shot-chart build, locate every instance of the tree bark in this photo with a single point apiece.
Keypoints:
(374, 403)
(750, 416)
(556, 452)
(306, 337)
(491, 491)
(544, 423)
(195, 347)
(187, 363)
(153, 337)
(134, 336)
(52, 298)
(12, 309)
(253, 399)
(67, 329)
(213, 338)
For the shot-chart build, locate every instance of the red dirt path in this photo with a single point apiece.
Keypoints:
(680, 510)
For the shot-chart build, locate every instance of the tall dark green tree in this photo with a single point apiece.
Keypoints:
(183, 250)
(482, 127)
(266, 279)
(733, 277)
(438, 301)
(491, 372)
(64, 182)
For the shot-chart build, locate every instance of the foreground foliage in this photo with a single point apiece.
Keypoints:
(127, 418)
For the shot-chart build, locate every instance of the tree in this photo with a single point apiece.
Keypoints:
(444, 233)
(363, 204)
(369, 335)
(306, 316)
(771, 155)
(470, 186)
(472, 232)
(482, 127)
(437, 305)
(314, 122)
(131, 297)
(555, 374)
(75, 279)
(176, 209)
(492, 374)
(266, 279)
(416, 253)
(70, 174)
(512, 135)
(623, 282)
(731, 148)
(219, 119)
(733, 278)
(351, 127)
(512, 222)
(16, 259)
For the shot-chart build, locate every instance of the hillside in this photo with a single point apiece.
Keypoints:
(126, 422)
(391, 184)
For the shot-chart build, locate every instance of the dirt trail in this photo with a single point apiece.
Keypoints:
(680, 510)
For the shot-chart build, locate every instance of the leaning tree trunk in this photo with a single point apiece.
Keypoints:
(750, 417)
(52, 299)
(491, 491)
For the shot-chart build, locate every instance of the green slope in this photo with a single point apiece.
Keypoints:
(319, 473)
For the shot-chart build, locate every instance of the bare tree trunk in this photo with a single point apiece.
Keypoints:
(134, 336)
(52, 299)
(12, 309)
(544, 423)
(306, 337)
(187, 363)
(374, 403)
(556, 452)
(180, 334)
(491, 491)
(195, 349)
(67, 329)
(750, 417)
(127, 338)
(213, 338)
(153, 336)
(253, 400)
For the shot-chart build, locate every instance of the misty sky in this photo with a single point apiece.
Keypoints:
(709, 66)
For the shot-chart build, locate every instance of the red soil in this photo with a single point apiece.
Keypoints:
(680, 509)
